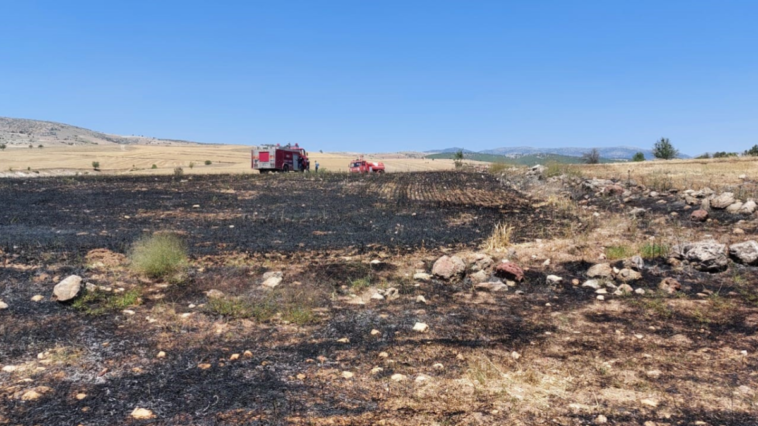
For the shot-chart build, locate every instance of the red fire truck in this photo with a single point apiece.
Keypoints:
(359, 165)
(275, 158)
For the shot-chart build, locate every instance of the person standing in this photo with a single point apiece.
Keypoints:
(316, 166)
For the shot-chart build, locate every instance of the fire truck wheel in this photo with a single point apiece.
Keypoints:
(286, 168)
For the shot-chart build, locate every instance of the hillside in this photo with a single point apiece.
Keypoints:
(20, 133)
(611, 153)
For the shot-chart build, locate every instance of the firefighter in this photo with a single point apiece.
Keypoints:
(316, 166)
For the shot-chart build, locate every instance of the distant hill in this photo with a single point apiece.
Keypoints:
(21, 132)
(452, 150)
(521, 160)
(613, 153)
(609, 153)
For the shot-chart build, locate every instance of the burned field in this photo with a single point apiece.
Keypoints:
(261, 213)
(311, 300)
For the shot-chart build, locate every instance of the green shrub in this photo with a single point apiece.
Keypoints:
(638, 157)
(96, 165)
(158, 256)
(2, 146)
(178, 172)
(208, 162)
(99, 302)
(652, 250)
(154, 167)
(664, 150)
(191, 165)
(618, 252)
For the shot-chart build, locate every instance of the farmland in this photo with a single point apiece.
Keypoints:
(314, 299)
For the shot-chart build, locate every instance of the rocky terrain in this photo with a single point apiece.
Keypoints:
(520, 297)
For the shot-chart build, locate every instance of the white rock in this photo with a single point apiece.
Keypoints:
(377, 296)
(600, 297)
(601, 270)
(398, 377)
(748, 208)
(272, 279)
(735, 207)
(421, 378)
(438, 366)
(38, 298)
(447, 267)
(9, 368)
(422, 276)
(601, 419)
(515, 355)
(214, 294)
(639, 291)
(347, 374)
(420, 327)
(3, 305)
(421, 299)
(142, 414)
(491, 286)
(723, 201)
(554, 279)
(592, 284)
(376, 370)
(601, 291)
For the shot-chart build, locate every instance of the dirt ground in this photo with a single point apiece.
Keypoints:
(321, 348)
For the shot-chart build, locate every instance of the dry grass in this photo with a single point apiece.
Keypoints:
(500, 238)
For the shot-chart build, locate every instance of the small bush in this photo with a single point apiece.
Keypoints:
(618, 252)
(557, 169)
(752, 151)
(638, 157)
(99, 302)
(208, 162)
(40, 146)
(231, 307)
(498, 167)
(705, 156)
(591, 157)
(154, 167)
(96, 165)
(158, 256)
(31, 146)
(653, 250)
(2, 146)
(178, 172)
(664, 150)
(191, 165)
(299, 315)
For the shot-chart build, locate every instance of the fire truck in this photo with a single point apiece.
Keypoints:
(275, 158)
(359, 165)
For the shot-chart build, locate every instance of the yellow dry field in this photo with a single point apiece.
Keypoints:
(692, 173)
(139, 159)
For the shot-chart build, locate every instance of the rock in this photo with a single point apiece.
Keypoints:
(515, 355)
(708, 256)
(691, 200)
(214, 294)
(627, 275)
(601, 270)
(375, 332)
(481, 261)
(745, 253)
(447, 267)
(421, 378)
(420, 299)
(553, 279)
(699, 215)
(649, 402)
(638, 212)
(438, 366)
(594, 284)
(3, 305)
(9, 368)
(272, 279)
(420, 327)
(653, 194)
(34, 394)
(625, 289)
(734, 208)
(640, 291)
(723, 201)
(398, 377)
(636, 263)
(347, 374)
(68, 288)
(492, 287)
(613, 190)
(653, 374)
(600, 297)
(377, 296)
(234, 357)
(601, 419)
(669, 285)
(738, 231)
(422, 276)
(161, 354)
(705, 204)
(376, 370)
(748, 208)
(510, 271)
(142, 414)
(391, 293)
(81, 396)
(247, 354)
(38, 298)
(601, 291)
(479, 277)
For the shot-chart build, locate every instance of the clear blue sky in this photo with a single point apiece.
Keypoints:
(388, 75)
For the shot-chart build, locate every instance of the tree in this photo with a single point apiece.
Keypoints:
(705, 156)
(664, 150)
(96, 165)
(752, 151)
(592, 157)
(723, 154)
(458, 159)
(638, 157)
(2, 146)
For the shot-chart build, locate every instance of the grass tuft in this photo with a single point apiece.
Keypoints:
(618, 252)
(500, 238)
(653, 250)
(158, 256)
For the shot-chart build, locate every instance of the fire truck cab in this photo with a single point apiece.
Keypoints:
(276, 158)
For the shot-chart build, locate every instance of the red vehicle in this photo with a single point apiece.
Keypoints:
(275, 158)
(359, 165)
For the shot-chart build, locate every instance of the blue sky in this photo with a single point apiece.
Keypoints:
(377, 76)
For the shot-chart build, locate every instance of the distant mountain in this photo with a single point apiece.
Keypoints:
(523, 160)
(611, 153)
(448, 150)
(21, 132)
